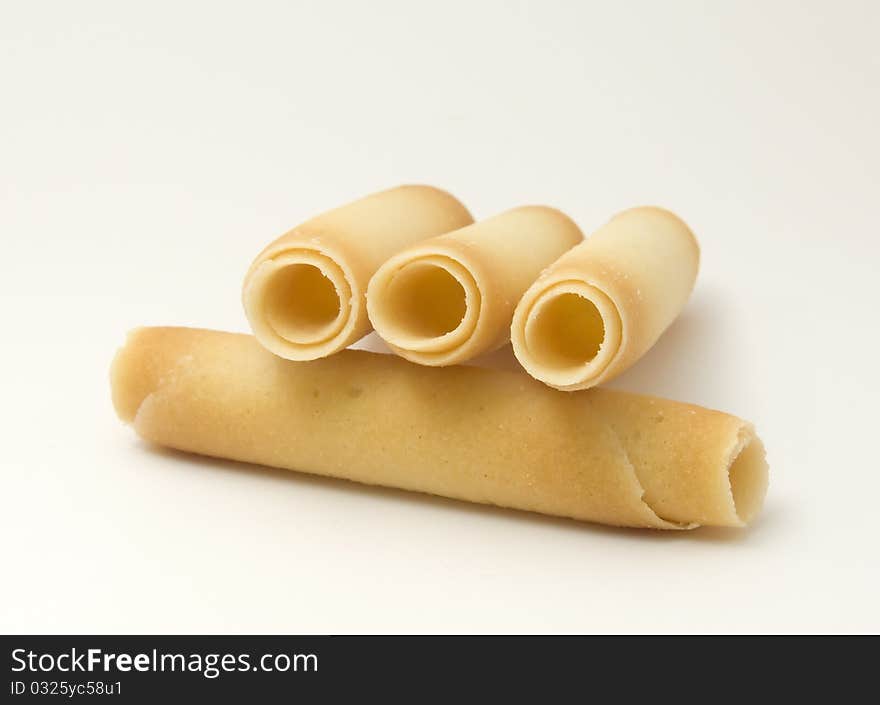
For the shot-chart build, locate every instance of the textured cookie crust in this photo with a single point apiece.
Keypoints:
(480, 435)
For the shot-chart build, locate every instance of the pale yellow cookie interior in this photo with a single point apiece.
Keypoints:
(302, 304)
(432, 304)
(572, 331)
(748, 477)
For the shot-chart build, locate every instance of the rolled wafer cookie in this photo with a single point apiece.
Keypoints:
(604, 303)
(304, 293)
(450, 298)
(481, 435)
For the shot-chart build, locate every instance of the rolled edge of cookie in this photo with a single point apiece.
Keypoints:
(304, 295)
(450, 298)
(603, 304)
(302, 303)
(481, 435)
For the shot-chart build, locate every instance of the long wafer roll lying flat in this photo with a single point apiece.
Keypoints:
(603, 304)
(481, 435)
(450, 298)
(304, 294)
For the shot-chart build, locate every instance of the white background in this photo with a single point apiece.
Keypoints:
(149, 150)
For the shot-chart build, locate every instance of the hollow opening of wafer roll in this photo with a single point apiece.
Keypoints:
(747, 474)
(566, 332)
(424, 301)
(301, 303)
(425, 308)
